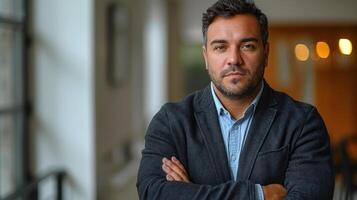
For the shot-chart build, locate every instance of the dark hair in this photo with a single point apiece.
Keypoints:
(230, 8)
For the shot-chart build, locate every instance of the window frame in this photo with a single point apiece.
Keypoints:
(22, 142)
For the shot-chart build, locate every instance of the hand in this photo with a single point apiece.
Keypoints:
(174, 170)
(274, 192)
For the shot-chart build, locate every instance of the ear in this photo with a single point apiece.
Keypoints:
(266, 53)
(204, 53)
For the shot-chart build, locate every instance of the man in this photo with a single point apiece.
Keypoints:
(237, 138)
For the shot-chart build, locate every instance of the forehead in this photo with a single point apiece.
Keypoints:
(235, 27)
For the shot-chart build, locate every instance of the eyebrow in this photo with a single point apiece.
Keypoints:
(218, 41)
(249, 39)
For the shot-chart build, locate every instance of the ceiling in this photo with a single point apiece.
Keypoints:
(278, 12)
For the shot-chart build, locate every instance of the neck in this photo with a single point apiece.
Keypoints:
(236, 107)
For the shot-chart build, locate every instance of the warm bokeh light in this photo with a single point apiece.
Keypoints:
(322, 49)
(301, 52)
(345, 46)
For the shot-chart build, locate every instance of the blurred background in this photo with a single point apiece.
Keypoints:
(80, 81)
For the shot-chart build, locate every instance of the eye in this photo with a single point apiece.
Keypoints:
(248, 47)
(219, 48)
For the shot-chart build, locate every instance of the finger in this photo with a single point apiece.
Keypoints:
(175, 176)
(169, 178)
(178, 163)
(165, 165)
(164, 159)
(177, 170)
(175, 161)
(281, 188)
(171, 175)
(166, 169)
(175, 167)
(284, 191)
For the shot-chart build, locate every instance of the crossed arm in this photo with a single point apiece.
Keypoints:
(175, 171)
(161, 141)
(308, 175)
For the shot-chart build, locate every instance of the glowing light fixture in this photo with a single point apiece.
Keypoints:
(322, 49)
(302, 52)
(345, 46)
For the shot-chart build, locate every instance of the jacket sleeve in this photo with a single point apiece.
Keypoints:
(152, 184)
(309, 174)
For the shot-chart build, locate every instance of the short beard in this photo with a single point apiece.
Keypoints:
(236, 95)
(245, 92)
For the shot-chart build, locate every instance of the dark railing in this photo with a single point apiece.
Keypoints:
(15, 23)
(26, 190)
(10, 110)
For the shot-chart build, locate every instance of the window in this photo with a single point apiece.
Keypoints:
(12, 95)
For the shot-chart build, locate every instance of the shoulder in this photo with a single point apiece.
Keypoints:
(291, 108)
(184, 111)
(189, 104)
(287, 102)
(179, 113)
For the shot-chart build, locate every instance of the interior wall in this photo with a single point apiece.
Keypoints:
(62, 94)
(119, 107)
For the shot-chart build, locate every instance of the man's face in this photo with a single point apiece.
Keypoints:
(235, 55)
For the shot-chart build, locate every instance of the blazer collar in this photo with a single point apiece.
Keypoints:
(207, 119)
(258, 131)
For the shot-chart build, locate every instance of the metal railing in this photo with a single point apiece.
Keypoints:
(26, 190)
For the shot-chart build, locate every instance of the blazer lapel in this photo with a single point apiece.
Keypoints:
(208, 123)
(263, 118)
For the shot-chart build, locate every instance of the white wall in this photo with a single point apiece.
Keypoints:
(155, 56)
(278, 12)
(63, 130)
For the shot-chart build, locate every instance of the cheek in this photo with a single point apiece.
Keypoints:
(212, 71)
(216, 63)
(254, 61)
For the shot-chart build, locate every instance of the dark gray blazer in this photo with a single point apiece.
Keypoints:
(287, 144)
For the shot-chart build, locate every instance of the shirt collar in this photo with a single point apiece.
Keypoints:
(220, 108)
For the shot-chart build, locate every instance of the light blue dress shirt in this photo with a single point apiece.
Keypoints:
(234, 133)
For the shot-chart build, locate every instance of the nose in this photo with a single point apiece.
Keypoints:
(235, 57)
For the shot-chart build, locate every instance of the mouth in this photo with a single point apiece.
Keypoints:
(235, 73)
